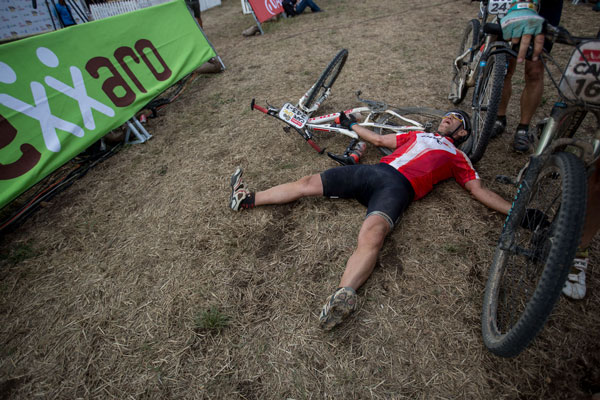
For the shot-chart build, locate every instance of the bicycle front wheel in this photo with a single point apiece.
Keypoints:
(486, 99)
(326, 80)
(470, 40)
(531, 265)
(426, 119)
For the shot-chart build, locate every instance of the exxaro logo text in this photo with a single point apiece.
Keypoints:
(115, 87)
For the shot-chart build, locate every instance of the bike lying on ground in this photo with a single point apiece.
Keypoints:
(375, 115)
(481, 63)
(542, 231)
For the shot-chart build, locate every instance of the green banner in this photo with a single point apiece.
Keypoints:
(62, 91)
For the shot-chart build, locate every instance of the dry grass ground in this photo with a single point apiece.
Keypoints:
(139, 282)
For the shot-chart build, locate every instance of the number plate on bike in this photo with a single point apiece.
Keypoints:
(498, 6)
(293, 116)
(581, 78)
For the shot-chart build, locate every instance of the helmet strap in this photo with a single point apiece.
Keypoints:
(451, 134)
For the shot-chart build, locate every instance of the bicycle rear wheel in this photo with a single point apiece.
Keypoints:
(530, 266)
(428, 120)
(326, 80)
(486, 99)
(470, 40)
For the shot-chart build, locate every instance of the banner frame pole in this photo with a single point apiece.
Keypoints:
(256, 19)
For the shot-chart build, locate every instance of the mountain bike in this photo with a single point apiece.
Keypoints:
(481, 63)
(543, 228)
(374, 115)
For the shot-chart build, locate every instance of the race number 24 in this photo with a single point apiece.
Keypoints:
(498, 6)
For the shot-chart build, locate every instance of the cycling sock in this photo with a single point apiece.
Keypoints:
(523, 127)
(501, 118)
(248, 202)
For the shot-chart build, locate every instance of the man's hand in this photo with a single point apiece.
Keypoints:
(519, 25)
(534, 219)
(346, 121)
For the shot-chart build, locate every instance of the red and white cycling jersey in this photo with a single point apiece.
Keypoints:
(428, 158)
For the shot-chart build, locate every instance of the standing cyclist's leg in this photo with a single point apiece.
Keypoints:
(530, 100)
(531, 97)
(533, 90)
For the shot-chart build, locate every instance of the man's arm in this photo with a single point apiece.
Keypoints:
(487, 197)
(388, 140)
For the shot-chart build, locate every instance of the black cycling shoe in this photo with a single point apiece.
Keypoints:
(523, 139)
(499, 127)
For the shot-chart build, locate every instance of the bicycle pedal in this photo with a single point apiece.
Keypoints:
(507, 180)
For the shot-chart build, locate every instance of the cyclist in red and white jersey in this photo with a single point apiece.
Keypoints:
(419, 161)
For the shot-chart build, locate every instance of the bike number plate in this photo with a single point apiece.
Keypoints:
(293, 116)
(498, 7)
(581, 78)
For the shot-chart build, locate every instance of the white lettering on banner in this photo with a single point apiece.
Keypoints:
(272, 5)
(79, 94)
(41, 112)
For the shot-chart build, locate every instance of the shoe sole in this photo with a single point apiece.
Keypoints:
(339, 309)
(333, 319)
(236, 179)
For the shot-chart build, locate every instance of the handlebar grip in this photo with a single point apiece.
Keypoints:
(259, 108)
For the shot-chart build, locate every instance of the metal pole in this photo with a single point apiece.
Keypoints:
(50, 13)
(256, 19)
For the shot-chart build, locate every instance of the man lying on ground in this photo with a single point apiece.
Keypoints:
(419, 161)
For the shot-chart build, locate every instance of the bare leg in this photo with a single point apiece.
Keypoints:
(362, 262)
(534, 88)
(288, 192)
(592, 218)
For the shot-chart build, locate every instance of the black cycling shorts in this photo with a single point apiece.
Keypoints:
(379, 187)
(551, 10)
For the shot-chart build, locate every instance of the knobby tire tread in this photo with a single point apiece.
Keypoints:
(569, 224)
(473, 27)
(496, 73)
(334, 68)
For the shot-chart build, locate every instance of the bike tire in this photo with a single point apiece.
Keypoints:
(430, 118)
(470, 39)
(539, 260)
(327, 78)
(486, 100)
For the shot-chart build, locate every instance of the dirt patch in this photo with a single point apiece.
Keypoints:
(101, 291)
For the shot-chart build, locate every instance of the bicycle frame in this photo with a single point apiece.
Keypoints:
(322, 123)
(326, 123)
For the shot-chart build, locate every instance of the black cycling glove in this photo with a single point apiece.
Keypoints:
(346, 121)
(534, 219)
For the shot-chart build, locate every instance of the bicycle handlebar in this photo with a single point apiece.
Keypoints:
(254, 106)
(561, 35)
(274, 113)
